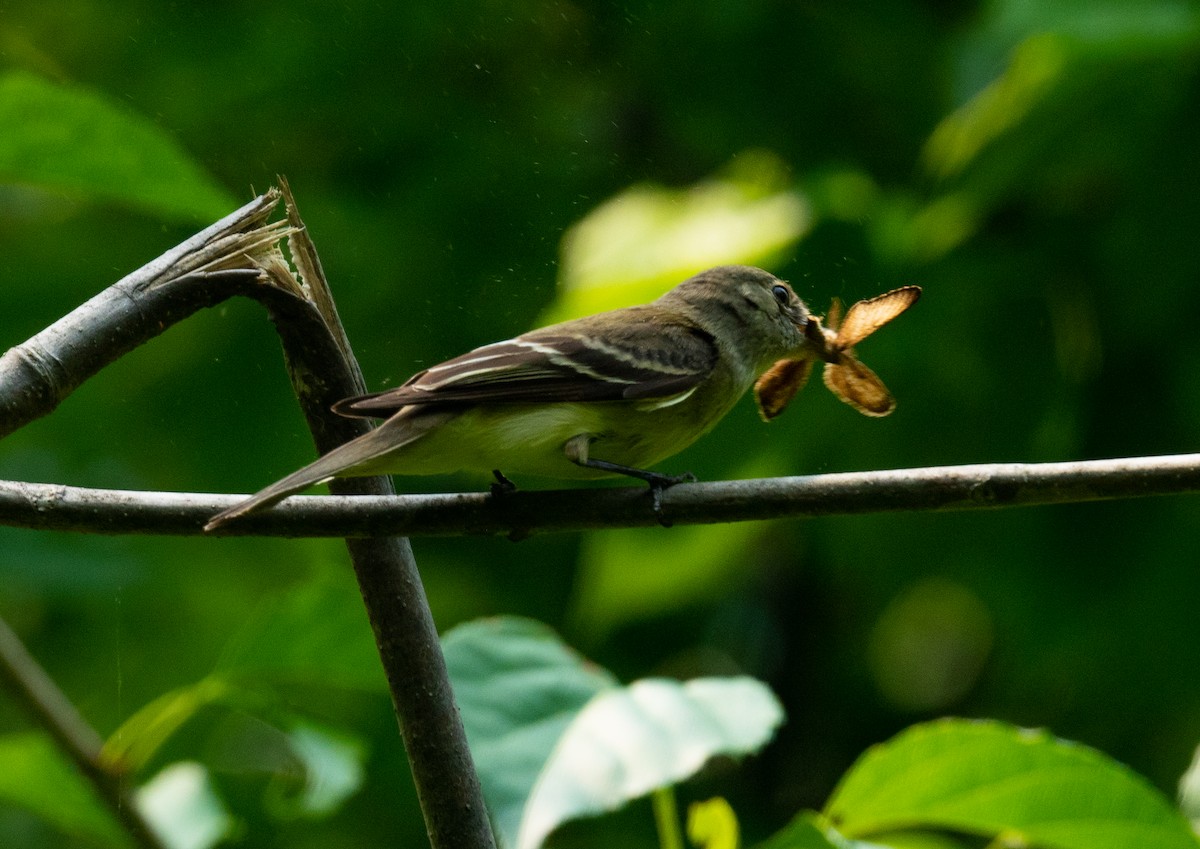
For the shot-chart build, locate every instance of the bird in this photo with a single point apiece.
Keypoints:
(609, 394)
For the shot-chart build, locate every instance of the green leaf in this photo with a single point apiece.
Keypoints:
(648, 238)
(653, 733)
(518, 688)
(314, 634)
(183, 808)
(69, 139)
(712, 824)
(140, 736)
(807, 831)
(1037, 66)
(555, 739)
(36, 777)
(332, 771)
(992, 779)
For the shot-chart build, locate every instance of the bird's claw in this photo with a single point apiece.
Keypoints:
(502, 485)
(658, 485)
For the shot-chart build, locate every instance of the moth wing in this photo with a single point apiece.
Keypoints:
(858, 386)
(865, 317)
(774, 390)
(833, 318)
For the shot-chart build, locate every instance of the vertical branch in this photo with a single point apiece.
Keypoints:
(323, 370)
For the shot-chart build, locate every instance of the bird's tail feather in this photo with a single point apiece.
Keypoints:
(389, 436)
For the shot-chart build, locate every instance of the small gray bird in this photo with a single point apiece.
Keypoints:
(612, 393)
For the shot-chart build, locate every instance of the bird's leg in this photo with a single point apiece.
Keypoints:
(502, 485)
(655, 479)
(576, 450)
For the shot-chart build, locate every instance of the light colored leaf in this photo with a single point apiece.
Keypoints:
(183, 809)
(1189, 791)
(991, 779)
(518, 687)
(635, 246)
(65, 138)
(653, 733)
(554, 737)
(332, 766)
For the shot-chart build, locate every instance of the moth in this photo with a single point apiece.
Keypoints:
(833, 343)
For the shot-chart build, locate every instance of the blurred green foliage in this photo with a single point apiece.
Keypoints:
(1034, 166)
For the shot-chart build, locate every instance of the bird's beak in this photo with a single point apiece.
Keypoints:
(821, 339)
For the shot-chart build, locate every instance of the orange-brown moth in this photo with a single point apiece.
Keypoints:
(844, 373)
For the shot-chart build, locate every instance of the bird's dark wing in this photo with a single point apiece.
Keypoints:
(639, 357)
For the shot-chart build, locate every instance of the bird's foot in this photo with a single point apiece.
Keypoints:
(501, 486)
(658, 485)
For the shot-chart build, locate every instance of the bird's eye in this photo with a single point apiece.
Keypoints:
(782, 295)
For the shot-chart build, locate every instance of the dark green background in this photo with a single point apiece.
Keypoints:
(438, 151)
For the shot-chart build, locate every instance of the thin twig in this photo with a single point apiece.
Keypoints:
(42, 698)
(982, 486)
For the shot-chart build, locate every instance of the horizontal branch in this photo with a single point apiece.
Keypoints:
(518, 514)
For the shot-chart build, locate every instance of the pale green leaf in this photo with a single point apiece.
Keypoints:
(635, 246)
(554, 737)
(518, 687)
(35, 776)
(140, 736)
(712, 824)
(68, 139)
(183, 809)
(626, 743)
(331, 772)
(992, 779)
